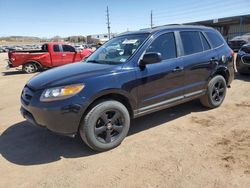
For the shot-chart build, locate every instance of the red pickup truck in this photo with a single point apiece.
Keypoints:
(52, 54)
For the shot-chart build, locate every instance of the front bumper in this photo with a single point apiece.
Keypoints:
(62, 117)
(243, 64)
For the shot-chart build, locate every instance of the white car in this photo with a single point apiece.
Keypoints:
(79, 47)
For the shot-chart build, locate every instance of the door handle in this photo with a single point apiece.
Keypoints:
(213, 59)
(178, 69)
(64, 55)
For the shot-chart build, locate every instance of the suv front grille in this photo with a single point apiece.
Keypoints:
(27, 95)
(246, 59)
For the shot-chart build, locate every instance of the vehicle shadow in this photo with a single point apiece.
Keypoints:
(167, 115)
(10, 73)
(243, 77)
(18, 72)
(24, 144)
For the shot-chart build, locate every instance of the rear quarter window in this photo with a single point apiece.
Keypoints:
(205, 43)
(214, 39)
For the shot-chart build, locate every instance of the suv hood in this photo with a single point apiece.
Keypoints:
(68, 74)
(239, 38)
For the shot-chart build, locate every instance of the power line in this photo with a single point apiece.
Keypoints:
(108, 22)
(192, 11)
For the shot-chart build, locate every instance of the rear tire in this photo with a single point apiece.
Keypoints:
(105, 125)
(30, 68)
(216, 92)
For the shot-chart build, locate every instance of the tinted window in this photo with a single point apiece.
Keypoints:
(214, 39)
(205, 43)
(45, 47)
(191, 42)
(56, 48)
(67, 48)
(164, 44)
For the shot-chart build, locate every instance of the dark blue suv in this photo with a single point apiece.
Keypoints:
(131, 75)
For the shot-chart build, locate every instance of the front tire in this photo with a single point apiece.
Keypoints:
(30, 68)
(105, 125)
(216, 92)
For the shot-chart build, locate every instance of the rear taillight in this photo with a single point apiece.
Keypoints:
(232, 58)
(232, 53)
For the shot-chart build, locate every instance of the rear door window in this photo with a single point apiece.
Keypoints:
(56, 48)
(191, 42)
(164, 44)
(214, 39)
(68, 48)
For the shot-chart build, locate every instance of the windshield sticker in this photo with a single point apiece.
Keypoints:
(122, 60)
(132, 41)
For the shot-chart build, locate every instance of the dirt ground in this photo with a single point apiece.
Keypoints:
(184, 146)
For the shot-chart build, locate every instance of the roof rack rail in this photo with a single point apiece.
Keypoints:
(159, 26)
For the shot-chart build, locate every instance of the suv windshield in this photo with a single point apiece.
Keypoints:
(117, 50)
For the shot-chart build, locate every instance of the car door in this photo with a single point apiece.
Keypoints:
(57, 55)
(162, 82)
(69, 54)
(199, 61)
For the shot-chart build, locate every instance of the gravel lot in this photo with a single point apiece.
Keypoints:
(184, 146)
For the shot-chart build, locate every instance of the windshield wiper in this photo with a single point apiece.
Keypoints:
(93, 61)
(103, 62)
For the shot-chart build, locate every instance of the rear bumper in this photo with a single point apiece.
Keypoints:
(9, 64)
(231, 76)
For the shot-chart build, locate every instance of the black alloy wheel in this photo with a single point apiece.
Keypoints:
(109, 126)
(216, 92)
(105, 125)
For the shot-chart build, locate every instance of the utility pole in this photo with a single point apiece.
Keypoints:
(151, 19)
(108, 22)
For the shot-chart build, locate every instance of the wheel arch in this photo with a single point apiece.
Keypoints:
(223, 71)
(115, 94)
(39, 65)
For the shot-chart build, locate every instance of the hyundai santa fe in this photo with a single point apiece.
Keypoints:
(133, 74)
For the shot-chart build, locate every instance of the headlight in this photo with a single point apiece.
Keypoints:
(59, 93)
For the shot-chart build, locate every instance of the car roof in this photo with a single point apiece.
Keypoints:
(167, 27)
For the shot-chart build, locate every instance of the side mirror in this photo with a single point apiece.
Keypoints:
(150, 58)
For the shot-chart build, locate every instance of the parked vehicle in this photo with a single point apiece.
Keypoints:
(237, 42)
(131, 75)
(52, 54)
(2, 50)
(243, 60)
(9, 48)
(18, 48)
(80, 47)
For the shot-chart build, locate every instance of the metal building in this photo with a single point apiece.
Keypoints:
(230, 26)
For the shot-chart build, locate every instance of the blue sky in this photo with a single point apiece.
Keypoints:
(48, 18)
